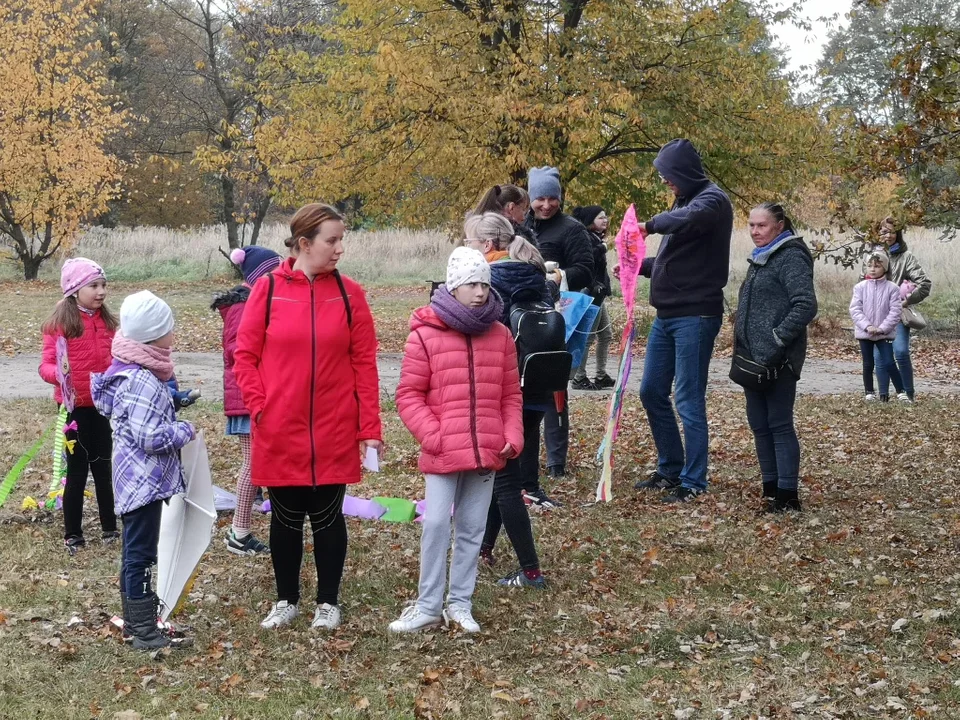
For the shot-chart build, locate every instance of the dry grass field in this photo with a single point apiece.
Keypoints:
(410, 258)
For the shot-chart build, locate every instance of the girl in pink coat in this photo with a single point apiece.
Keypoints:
(459, 395)
(876, 309)
(254, 263)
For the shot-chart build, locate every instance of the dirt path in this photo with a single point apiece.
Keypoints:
(19, 378)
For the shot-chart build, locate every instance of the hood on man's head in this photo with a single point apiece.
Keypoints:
(679, 162)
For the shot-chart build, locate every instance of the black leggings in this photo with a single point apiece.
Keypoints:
(91, 454)
(507, 508)
(289, 507)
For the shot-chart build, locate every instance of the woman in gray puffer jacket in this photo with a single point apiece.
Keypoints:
(777, 301)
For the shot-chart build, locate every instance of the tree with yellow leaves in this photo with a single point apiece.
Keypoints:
(56, 116)
(417, 106)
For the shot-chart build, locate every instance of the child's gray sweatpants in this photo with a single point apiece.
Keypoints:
(469, 493)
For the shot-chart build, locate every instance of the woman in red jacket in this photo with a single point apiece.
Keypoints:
(459, 395)
(254, 263)
(306, 363)
(87, 328)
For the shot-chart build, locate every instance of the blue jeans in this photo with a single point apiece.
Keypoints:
(886, 367)
(901, 359)
(141, 537)
(770, 414)
(678, 358)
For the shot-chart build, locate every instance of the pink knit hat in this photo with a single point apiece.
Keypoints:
(77, 273)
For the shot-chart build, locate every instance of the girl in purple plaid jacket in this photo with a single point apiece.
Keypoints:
(147, 439)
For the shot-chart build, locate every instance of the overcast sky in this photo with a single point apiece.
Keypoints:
(804, 48)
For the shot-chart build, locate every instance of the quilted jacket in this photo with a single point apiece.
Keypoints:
(459, 395)
(877, 303)
(89, 353)
(230, 306)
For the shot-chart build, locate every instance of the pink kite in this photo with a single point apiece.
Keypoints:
(631, 249)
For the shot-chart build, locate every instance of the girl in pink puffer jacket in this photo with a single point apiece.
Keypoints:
(459, 396)
(875, 308)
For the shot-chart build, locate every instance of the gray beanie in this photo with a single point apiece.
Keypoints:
(543, 182)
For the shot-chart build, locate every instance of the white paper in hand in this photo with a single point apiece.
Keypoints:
(371, 460)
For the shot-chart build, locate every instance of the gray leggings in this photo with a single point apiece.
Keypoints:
(604, 334)
(468, 493)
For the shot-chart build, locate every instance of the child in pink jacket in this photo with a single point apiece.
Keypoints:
(876, 309)
(459, 395)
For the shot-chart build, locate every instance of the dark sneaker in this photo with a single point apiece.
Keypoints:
(73, 543)
(247, 546)
(520, 579)
(583, 384)
(109, 537)
(540, 500)
(656, 481)
(681, 495)
(486, 557)
(604, 382)
(556, 471)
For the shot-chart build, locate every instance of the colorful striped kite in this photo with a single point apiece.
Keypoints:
(631, 250)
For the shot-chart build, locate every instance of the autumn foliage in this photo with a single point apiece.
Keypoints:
(56, 116)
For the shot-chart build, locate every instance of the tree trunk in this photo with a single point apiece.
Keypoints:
(229, 211)
(262, 208)
(31, 266)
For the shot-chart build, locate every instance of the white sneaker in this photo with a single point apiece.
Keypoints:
(870, 397)
(461, 616)
(903, 397)
(326, 617)
(412, 619)
(283, 613)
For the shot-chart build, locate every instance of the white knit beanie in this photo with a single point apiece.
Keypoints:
(466, 265)
(144, 317)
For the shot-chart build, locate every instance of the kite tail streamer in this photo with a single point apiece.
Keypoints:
(59, 467)
(17, 470)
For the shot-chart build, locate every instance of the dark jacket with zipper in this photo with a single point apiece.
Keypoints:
(777, 301)
(692, 265)
(601, 277)
(565, 241)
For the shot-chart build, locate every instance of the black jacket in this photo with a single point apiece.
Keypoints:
(566, 242)
(690, 270)
(601, 278)
(777, 301)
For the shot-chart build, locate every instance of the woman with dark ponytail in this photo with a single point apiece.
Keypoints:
(513, 203)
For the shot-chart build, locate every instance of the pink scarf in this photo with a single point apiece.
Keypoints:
(155, 359)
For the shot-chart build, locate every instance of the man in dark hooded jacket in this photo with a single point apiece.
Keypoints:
(687, 278)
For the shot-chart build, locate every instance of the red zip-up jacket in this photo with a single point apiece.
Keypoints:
(309, 380)
(89, 353)
(459, 395)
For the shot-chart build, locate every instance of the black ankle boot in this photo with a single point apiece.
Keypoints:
(556, 471)
(787, 501)
(142, 621)
(769, 497)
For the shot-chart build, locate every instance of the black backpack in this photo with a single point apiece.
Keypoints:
(540, 334)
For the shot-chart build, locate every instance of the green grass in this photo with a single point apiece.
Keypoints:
(653, 610)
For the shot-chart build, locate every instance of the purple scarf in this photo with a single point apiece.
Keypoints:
(468, 320)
